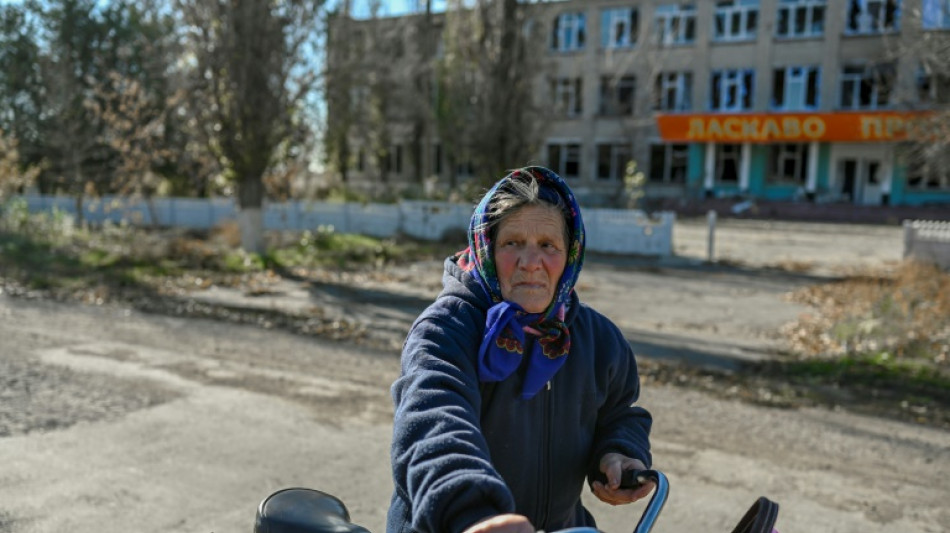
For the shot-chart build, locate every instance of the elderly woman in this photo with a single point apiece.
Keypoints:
(512, 392)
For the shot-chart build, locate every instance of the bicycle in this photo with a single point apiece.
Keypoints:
(302, 510)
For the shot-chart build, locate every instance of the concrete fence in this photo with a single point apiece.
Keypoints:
(927, 240)
(619, 231)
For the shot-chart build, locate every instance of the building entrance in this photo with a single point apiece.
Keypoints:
(860, 180)
(860, 176)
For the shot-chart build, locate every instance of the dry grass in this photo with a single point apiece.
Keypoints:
(902, 314)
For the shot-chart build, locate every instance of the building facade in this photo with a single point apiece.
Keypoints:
(813, 100)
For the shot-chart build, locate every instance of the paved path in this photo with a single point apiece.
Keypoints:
(233, 413)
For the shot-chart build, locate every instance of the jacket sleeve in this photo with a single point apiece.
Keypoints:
(622, 426)
(440, 458)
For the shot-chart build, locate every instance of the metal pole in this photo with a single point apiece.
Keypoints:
(711, 241)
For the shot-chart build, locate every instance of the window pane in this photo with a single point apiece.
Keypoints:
(678, 162)
(657, 162)
(795, 92)
(687, 96)
(782, 22)
(603, 161)
(747, 88)
(847, 94)
(577, 96)
(778, 87)
(803, 167)
(801, 14)
(572, 160)
(874, 11)
(775, 155)
(690, 33)
(716, 91)
(866, 96)
(883, 91)
(818, 20)
(890, 15)
(811, 95)
(854, 12)
(554, 158)
(789, 168)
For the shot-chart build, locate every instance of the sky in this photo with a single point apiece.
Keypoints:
(394, 7)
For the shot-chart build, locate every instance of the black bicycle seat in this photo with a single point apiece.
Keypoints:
(303, 511)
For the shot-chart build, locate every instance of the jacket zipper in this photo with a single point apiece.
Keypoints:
(545, 476)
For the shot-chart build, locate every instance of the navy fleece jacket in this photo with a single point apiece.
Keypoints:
(464, 451)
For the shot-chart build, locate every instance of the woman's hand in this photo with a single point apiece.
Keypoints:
(503, 523)
(613, 465)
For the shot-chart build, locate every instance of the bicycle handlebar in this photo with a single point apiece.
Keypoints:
(299, 510)
(633, 479)
(307, 510)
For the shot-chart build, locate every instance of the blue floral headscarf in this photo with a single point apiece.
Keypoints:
(506, 324)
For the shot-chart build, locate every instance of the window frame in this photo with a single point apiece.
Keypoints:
(564, 150)
(737, 12)
(925, 178)
(728, 78)
(568, 95)
(392, 163)
(619, 154)
(612, 17)
(720, 165)
(871, 28)
(788, 76)
(611, 89)
(791, 9)
(779, 154)
(679, 81)
(871, 75)
(675, 23)
(933, 88)
(671, 153)
(569, 32)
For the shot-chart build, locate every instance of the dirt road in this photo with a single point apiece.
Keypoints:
(112, 420)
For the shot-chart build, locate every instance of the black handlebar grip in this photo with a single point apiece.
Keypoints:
(629, 479)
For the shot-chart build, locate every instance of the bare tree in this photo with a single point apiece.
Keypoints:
(13, 179)
(135, 127)
(487, 111)
(923, 54)
(465, 78)
(251, 77)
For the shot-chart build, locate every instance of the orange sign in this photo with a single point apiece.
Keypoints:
(796, 127)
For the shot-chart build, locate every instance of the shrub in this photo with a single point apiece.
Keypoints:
(903, 315)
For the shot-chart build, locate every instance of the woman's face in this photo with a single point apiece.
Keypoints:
(530, 256)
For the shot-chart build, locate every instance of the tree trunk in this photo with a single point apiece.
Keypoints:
(78, 182)
(250, 214)
(251, 225)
